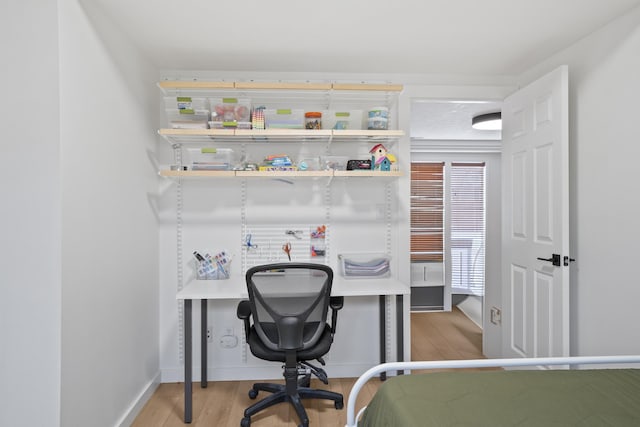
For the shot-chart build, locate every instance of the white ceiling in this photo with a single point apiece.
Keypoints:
(470, 37)
(437, 37)
(451, 120)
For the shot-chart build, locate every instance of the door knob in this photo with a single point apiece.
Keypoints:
(555, 260)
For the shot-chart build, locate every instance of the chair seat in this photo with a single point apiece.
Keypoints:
(259, 350)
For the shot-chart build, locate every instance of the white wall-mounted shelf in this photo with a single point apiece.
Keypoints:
(171, 86)
(284, 174)
(323, 95)
(279, 174)
(196, 174)
(367, 174)
(195, 136)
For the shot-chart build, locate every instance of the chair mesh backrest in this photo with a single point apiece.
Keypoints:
(289, 303)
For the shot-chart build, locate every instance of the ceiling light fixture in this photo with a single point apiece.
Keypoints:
(488, 121)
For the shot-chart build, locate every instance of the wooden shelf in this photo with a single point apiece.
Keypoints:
(194, 85)
(170, 85)
(367, 87)
(283, 174)
(277, 174)
(350, 96)
(281, 85)
(197, 132)
(197, 174)
(282, 134)
(182, 136)
(367, 133)
(367, 173)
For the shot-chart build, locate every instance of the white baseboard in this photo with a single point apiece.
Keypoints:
(472, 308)
(138, 403)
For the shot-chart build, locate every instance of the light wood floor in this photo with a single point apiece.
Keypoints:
(435, 336)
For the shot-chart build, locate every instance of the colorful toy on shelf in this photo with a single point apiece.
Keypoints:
(380, 159)
(277, 162)
(257, 118)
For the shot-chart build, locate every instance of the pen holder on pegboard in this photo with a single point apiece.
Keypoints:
(212, 268)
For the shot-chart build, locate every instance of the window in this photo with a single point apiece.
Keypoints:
(427, 209)
(467, 219)
(461, 188)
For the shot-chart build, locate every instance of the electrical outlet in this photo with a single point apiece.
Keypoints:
(496, 315)
(228, 338)
(209, 334)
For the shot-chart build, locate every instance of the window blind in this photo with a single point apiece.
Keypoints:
(467, 187)
(427, 209)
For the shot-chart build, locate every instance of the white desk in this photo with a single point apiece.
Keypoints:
(205, 290)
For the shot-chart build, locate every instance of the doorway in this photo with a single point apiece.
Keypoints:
(441, 132)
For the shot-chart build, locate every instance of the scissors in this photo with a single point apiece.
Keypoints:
(248, 243)
(287, 249)
(294, 233)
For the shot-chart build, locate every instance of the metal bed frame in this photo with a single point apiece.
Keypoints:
(475, 363)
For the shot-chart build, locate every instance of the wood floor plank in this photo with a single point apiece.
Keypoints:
(435, 336)
(214, 412)
(158, 409)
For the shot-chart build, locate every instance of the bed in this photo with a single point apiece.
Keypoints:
(593, 395)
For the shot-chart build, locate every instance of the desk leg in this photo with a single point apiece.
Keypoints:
(400, 329)
(203, 343)
(187, 362)
(383, 335)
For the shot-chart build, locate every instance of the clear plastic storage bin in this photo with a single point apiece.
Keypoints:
(185, 112)
(183, 119)
(230, 113)
(364, 265)
(283, 118)
(185, 103)
(210, 158)
(343, 119)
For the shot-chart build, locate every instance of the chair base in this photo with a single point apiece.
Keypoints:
(280, 395)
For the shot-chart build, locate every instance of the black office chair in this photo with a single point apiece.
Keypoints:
(289, 304)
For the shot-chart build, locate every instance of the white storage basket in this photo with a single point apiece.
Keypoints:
(365, 265)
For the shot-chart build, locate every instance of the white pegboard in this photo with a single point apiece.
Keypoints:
(264, 244)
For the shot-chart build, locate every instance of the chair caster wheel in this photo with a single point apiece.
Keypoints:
(252, 395)
(246, 422)
(339, 404)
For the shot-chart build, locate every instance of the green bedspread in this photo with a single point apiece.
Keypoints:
(599, 397)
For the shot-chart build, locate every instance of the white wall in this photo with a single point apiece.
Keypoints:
(605, 203)
(110, 332)
(30, 283)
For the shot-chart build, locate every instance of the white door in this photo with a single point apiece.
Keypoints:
(535, 231)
